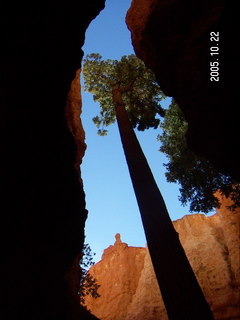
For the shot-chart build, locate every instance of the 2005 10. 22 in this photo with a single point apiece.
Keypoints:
(214, 52)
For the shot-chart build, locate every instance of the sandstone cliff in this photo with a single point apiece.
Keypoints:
(118, 274)
(129, 289)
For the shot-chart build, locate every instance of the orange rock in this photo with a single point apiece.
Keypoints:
(73, 112)
(129, 289)
(118, 274)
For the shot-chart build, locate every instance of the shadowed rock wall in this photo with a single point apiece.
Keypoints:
(43, 205)
(173, 39)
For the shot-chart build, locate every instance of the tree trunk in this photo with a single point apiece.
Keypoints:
(182, 295)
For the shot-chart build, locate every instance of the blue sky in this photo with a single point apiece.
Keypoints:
(109, 194)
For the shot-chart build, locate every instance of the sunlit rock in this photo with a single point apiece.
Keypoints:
(129, 289)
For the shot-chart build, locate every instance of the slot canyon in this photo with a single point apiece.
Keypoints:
(43, 210)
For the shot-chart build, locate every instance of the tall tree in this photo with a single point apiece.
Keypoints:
(127, 91)
(198, 178)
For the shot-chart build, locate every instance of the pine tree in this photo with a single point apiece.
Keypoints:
(198, 178)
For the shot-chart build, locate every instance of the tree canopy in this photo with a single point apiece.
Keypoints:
(198, 178)
(140, 91)
(141, 94)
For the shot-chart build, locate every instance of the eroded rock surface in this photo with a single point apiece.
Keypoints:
(118, 274)
(73, 113)
(129, 289)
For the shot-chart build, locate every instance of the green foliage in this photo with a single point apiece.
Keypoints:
(140, 91)
(88, 284)
(198, 178)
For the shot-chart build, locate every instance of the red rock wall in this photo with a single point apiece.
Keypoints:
(213, 249)
(73, 117)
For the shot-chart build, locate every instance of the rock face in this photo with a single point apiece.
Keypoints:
(73, 112)
(147, 302)
(118, 273)
(129, 289)
(42, 200)
(173, 38)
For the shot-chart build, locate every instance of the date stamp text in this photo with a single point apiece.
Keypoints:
(214, 56)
